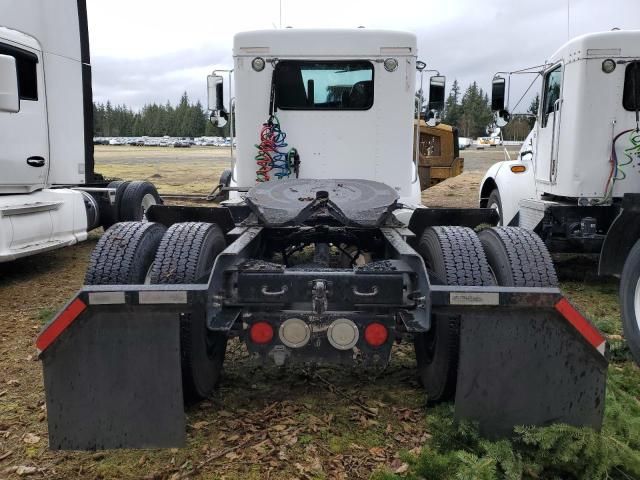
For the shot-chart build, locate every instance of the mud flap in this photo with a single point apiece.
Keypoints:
(529, 366)
(113, 380)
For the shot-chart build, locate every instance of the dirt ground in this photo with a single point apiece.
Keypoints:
(263, 423)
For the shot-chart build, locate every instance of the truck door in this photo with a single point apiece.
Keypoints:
(549, 126)
(24, 151)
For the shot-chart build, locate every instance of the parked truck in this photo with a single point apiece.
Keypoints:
(50, 195)
(576, 180)
(322, 255)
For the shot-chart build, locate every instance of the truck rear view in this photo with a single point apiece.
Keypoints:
(327, 259)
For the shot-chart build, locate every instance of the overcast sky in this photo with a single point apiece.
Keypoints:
(153, 50)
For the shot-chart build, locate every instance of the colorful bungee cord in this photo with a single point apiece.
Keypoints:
(271, 159)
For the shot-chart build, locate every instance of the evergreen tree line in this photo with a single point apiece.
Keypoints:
(471, 113)
(186, 119)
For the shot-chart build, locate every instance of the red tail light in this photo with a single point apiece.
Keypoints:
(376, 334)
(261, 333)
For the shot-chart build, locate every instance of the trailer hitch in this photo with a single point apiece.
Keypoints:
(319, 300)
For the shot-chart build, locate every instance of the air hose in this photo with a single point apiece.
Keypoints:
(272, 159)
(616, 173)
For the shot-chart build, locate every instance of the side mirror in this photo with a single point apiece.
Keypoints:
(498, 87)
(432, 117)
(9, 98)
(215, 100)
(501, 118)
(436, 92)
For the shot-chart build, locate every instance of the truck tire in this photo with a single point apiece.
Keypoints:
(186, 255)
(495, 201)
(109, 213)
(124, 254)
(518, 257)
(453, 256)
(630, 300)
(136, 199)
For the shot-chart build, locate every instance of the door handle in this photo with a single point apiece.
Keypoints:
(35, 161)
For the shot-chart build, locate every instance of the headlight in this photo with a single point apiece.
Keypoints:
(390, 64)
(608, 66)
(258, 64)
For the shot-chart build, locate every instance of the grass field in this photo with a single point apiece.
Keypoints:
(172, 170)
(267, 423)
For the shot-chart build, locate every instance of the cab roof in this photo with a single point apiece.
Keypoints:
(20, 38)
(357, 42)
(612, 44)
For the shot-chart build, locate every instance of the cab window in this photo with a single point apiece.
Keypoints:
(552, 85)
(26, 66)
(334, 85)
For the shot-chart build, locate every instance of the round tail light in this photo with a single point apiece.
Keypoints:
(295, 333)
(376, 334)
(343, 334)
(261, 333)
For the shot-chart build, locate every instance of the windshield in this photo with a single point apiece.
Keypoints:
(335, 85)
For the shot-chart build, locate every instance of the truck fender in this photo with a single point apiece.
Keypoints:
(512, 186)
(621, 236)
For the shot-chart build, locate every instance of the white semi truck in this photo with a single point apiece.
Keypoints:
(50, 195)
(576, 180)
(321, 256)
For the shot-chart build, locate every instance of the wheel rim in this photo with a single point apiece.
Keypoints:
(496, 207)
(147, 277)
(636, 304)
(147, 201)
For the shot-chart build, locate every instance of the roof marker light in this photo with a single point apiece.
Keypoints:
(258, 64)
(608, 65)
(390, 64)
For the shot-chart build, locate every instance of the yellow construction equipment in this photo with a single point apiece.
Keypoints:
(438, 157)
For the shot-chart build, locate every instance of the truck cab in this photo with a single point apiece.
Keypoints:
(50, 196)
(576, 181)
(582, 149)
(343, 99)
(43, 133)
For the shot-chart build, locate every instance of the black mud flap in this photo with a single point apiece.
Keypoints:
(112, 377)
(529, 366)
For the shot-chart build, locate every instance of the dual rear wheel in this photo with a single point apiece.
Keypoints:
(145, 252)
(504, 256)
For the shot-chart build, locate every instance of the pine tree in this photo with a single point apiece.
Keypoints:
(476, 111)
(452, 109)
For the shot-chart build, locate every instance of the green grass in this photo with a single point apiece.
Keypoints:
(45, 314)
(456, 451)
